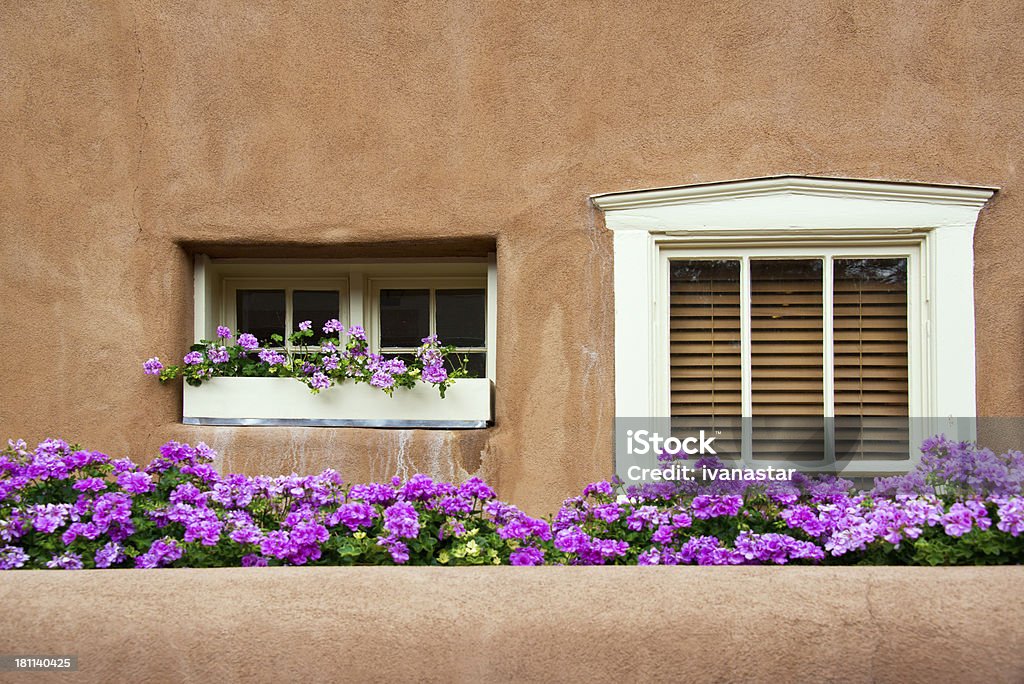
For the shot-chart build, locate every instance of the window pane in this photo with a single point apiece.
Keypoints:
(476, 363)
(871, 379)
(318, 306)
(705, 349)
(261, 313)
(404, 317)
(787, 370)
(460, 317)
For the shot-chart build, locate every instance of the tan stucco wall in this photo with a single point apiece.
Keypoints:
(619, 624)
(132, 129)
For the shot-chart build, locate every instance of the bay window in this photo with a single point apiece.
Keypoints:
(819, 321)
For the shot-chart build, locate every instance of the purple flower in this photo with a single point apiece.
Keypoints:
(109, 554)
(353, 515)
(393, 366)
(136, 483)
(161, 553)
(65, 561)
(271, 357)
(435, 374)
(603, 488)
(398, 550)
(253, 561)
(193, 358)
(708, 506)
(402, 520)
(527, 555)
(382, 380)
(522, 527)
(218, 354)
(223, 332)
(374, 492)
(608, 512)
(357, 332)
(12, 557)
(475, 488)
(305, 325)
(152, 366)
(958, 521)
(90, 484)
(319, 381)
(334, 325)
(248, 342)
(48, 517)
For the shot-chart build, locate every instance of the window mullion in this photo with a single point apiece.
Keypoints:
(289, 312)
(828, 357)
(746, 371)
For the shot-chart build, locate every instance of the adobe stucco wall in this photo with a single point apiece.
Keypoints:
(134, 131)
(613, 624)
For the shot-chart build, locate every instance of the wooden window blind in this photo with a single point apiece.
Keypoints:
(870, 358)
(791, 307)
(706, 360)
(787, 358)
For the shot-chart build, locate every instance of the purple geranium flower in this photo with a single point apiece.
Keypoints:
(248, 342)
(152, 366)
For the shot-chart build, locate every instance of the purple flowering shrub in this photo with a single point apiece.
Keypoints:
(961, 505)
(317, 361)
(64, 507)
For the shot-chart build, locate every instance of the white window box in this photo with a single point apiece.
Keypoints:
(286, 401)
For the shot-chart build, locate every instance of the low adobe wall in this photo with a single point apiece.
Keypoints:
(520, 624)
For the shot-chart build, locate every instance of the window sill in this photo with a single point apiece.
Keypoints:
(285, 401)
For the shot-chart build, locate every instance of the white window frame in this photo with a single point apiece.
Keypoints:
(216, 281)
(827, 251)
(793, 212)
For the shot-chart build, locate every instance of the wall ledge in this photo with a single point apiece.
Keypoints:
(850, 624)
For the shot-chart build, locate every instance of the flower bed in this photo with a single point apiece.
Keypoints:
(64, 507)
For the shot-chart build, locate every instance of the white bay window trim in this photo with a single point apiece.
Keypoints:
(791, 215)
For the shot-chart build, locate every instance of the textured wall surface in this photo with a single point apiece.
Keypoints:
(613, 624)
(134, 130)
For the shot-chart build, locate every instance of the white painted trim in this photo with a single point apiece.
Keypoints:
(491, 325)
(799, 212)
(200, 296)
(230, 400)
(975, 196)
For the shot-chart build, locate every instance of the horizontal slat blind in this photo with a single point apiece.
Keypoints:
(787, 369)
(704, 334)
(871, 378)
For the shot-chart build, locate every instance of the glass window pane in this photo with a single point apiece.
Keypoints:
(260, 313)
(787, 368)
(404, 317)
(704, 330)
(476, 363)
(871, 377)
(318, 306)
(460, 317)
